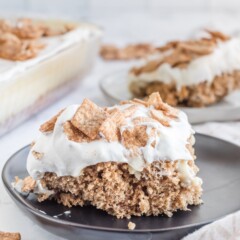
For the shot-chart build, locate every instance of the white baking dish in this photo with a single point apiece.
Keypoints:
(28, 86)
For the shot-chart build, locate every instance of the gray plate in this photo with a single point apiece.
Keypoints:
(219, 164)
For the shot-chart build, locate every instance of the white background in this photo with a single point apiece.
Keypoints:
(87, 8)
(124, 21)
(177, 17)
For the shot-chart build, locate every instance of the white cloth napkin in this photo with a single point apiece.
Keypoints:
(227, 228)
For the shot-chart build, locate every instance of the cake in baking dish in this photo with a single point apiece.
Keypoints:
(38, 61)
(132, 159)
(193, 73)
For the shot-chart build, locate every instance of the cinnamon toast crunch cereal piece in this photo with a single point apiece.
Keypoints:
(88, 118)
(135, 137)
(159, 116)
(28, 184)
(74, 134)
(130, 111)
(49, 125)
(219, 35)
(37, 155)
(10, 236)
(131, 51)
(110, 127)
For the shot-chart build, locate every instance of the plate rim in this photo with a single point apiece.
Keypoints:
(19, 200)
(107, 76)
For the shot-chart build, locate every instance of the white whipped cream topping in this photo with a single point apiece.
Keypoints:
(224, 59)
(187, 175)
(53, 45)
(65, 157)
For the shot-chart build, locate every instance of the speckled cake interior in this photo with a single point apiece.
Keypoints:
(132, 159)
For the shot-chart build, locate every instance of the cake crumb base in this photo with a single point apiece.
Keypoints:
(199, 95)
(131, 226)
(112, 187)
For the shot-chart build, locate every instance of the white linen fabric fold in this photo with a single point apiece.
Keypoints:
(227, 228)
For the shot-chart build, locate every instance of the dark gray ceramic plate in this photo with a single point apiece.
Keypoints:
(219, 164)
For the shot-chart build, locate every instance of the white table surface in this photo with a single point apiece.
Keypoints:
(11, 219)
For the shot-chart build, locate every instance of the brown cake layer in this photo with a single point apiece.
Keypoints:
(158, 189)
(199, 95)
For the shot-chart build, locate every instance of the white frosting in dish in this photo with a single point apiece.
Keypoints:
(65, 157)
(53, 45)
(224, 59)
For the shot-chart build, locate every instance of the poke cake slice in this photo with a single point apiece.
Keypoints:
(193, 73)
(132, 159)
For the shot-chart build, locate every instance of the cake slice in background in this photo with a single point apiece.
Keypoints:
(132, 159)
(194, 73)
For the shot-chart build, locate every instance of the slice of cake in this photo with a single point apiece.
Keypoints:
(136, 158)
(193, 73)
